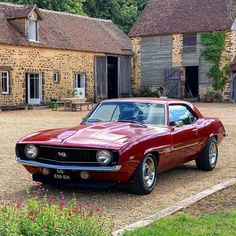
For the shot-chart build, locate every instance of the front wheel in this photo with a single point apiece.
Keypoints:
(208, 159)
(144, 178)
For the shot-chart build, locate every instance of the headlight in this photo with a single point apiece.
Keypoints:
(31, 151)
(104, 157)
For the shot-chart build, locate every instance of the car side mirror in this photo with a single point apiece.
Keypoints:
(175, 124)
(179, 123)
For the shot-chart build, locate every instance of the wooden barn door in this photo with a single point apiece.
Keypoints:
(172, 83)
(100, 78)
(124, 76)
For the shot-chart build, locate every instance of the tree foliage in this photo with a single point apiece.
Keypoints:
(122, 12)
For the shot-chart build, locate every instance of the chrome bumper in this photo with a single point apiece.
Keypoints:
(74, 167)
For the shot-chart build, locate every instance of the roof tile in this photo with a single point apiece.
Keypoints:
(67, 31)
(161, 17)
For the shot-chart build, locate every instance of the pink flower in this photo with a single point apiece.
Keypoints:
(62, 196)
(99, 210)
(90, 214)
(18, 204)
(52, 199)
(32, 219)
(75, 210)
(62, 205)
(31, 213)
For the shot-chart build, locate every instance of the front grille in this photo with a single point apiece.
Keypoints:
(72, 155)
(65, 156)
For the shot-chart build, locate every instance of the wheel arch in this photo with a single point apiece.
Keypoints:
(214, 136)
(155, 153)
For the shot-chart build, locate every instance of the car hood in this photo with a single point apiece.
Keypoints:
(111, 135)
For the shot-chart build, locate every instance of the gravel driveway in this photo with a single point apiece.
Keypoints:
(122, 207)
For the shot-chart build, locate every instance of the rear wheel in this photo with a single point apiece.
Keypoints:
(208, 159)
(144, 178)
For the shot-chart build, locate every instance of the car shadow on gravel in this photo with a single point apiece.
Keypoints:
(181, 173)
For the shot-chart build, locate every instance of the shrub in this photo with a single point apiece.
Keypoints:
(146, 92)
(212, 96)
(51, 216)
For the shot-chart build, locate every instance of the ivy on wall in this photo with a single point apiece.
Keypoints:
(214, 43)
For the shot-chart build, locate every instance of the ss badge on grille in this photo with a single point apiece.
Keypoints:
(62, 154)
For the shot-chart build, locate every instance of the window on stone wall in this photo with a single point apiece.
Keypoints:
(33, 30)
(4, 76)
(190, 42)
(56, 77)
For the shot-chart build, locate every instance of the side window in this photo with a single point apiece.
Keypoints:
(181, 113)
(4, 76)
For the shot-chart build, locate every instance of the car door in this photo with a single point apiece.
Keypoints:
(184, 134)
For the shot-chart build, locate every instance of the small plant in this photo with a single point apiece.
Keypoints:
(212, 96)
(146, 92)
(52, 216)
(69, 93)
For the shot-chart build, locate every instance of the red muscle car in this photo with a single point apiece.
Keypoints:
(123, 141)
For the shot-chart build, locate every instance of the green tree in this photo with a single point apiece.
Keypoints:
(122, 12)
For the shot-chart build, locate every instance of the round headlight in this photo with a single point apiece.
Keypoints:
(31, 151)
(104, 157)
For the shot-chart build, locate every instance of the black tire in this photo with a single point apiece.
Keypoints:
(206, 161)
(137, 183)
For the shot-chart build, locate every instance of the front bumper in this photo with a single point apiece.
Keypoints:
(72, 167)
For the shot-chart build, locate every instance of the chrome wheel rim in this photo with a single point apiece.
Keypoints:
(213, 153)
(149, 171)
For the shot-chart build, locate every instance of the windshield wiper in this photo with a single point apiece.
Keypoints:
(133, 122)
(93, 121)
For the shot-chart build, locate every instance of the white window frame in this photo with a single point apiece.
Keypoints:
(36, 39)
(56, 77)
(7, 79)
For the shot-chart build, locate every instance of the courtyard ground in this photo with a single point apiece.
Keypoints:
(122, 207)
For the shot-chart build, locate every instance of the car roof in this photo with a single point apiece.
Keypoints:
(147, 99)
(167, 101)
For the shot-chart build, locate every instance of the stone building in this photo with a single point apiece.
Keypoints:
(166, 41)
(45, 55)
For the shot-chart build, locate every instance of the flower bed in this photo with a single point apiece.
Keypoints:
(50, 215)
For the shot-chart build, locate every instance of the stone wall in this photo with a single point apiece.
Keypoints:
(177, 59)
(177, 50)
(136, 64)
(227, 57)
(21, 60)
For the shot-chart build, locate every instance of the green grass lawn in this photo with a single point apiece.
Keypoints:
(216, 224)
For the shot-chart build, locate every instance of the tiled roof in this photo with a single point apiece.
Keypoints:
(17, 13)
(65, 31)
(161, 17)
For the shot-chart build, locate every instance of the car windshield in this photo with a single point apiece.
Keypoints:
(135, 112)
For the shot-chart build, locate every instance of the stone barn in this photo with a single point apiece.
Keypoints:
(45, 55)
(167, 46)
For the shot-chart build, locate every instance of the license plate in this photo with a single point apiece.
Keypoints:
(61, 175)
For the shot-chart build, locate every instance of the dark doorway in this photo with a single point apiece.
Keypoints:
(191, 82)
(234, 87)
(112, 77)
